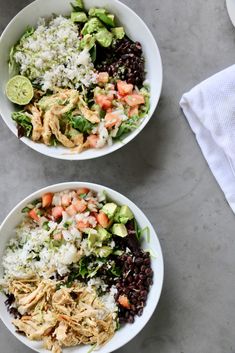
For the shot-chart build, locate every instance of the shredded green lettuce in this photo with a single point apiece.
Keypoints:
(24, 122)
(80, 123)
(142, 233)
(127, 126)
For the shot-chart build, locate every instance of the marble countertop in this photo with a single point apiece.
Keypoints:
(164, 172)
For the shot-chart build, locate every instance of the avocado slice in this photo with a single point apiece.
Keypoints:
(92, 26)
(109, 209)
(78, 17)
(125, 214)
(79, 3)
(103, 234)
(88, 41)
(118, 32)
(92, 238)
(104, 38)
(105, 251)
(102, 14)
(119, 229)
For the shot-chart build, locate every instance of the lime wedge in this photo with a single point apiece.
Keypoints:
(19, 90)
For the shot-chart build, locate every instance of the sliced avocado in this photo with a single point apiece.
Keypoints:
(125, 214)
(118, 32)
(119, 229)
(79, 3)
(92, 26)
(88, 41)
(103, 234)
(78, 17)
(109, 209)
(102, 14)
(92, 238)
(105, 251)
(94, 11)
(104, 38)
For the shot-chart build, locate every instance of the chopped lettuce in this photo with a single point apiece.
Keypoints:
(127, 126)
(81, 124)
(24, 124)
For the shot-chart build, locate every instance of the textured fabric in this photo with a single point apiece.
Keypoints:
(210, 110)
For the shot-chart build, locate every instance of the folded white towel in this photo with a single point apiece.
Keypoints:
(210, 110)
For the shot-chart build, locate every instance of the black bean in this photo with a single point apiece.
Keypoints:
(148, 271)
(131, 319)
(143, 268)
(140, 312)
(139, 260)
(147, 261)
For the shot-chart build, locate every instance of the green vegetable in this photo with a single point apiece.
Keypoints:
(142, 231)
(67, 224)
(82, 124)
(53, 141)
(103, 234)
(28, 32)
(78, 17)
(104, 37)
(123, 214)
(118, 32)
(82, 196)
(13, 66)
(88, 42)
(105, 251)
(109, 209)
(119, 229)
(78, 5)
(46, 226)
(35, 202)
(93, 53)
(102, 14)
(23, 121)
(127, 126)
(92, 26)
(116, 271)
(25, 210)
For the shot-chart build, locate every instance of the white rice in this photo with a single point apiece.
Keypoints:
(51, 56)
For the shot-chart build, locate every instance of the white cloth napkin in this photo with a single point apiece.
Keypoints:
(210, 110)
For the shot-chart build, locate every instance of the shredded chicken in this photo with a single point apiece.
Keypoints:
(62, 317)
(47, 117)
(36, 122)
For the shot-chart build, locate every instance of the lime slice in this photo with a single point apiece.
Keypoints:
(19, 90)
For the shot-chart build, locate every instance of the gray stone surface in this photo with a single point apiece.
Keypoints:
(164, 172)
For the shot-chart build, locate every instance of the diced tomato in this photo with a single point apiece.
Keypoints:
(112, 119)
(32, 213)
(102, 219)
(81, 225)
(92, 140)
(47, 199)
(57, 212)
(133, 111)
(81, 191)
(124, 88)
(134, 99)
(103, 77)
(80, 205)
(103, 101)
(124, 301)
(65, 200)
(71, 210)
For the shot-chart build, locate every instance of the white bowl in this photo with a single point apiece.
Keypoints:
(135, 28)
(127, 332)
